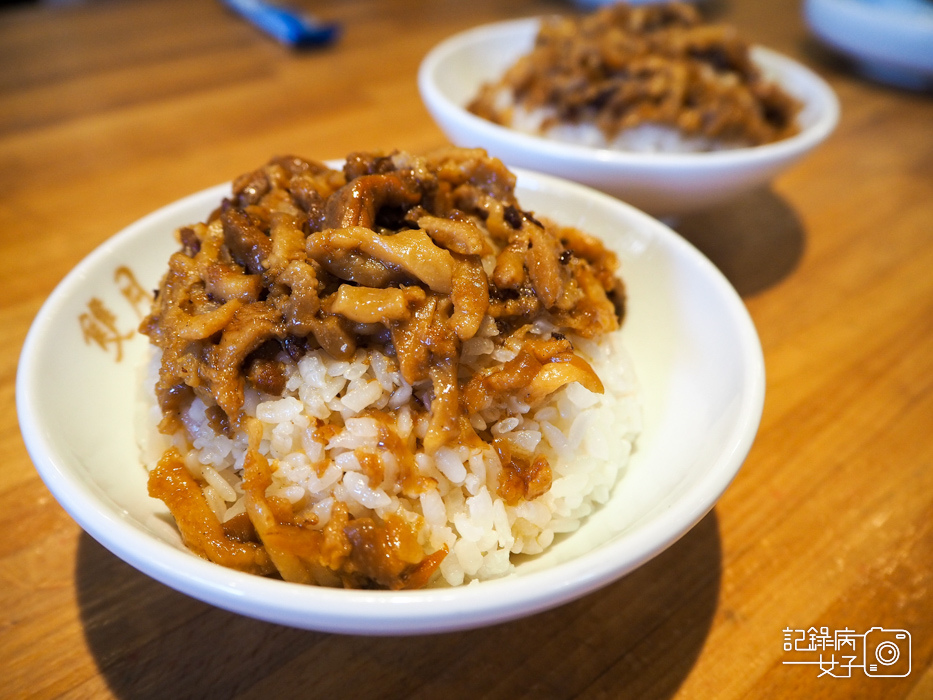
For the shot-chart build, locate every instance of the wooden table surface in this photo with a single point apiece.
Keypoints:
(109, 110)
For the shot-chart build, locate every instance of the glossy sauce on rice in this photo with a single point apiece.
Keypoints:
(401, 392)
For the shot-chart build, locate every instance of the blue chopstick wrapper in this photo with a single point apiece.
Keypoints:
(289, 26)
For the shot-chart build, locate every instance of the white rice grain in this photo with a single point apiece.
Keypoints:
(450, 465)
(223, 489)
(586, 437)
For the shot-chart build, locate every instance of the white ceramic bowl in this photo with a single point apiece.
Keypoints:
(691, 340)
(890, 40)
(661, 184)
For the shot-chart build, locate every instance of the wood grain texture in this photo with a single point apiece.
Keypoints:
(111, 109)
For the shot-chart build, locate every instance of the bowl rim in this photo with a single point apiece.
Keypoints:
(435, 97)
(384, 612)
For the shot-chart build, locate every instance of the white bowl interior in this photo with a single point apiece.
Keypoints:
(659, 183)
(692, 342)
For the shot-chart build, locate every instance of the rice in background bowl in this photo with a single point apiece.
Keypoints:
(663, 174)
(644, 79)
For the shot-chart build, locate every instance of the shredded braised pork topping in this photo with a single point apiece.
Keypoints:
(624, 66)
(401, 253)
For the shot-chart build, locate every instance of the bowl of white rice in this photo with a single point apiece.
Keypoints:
(685, 382)
(654, 168)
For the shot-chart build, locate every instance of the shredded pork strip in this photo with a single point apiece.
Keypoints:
(400, 253)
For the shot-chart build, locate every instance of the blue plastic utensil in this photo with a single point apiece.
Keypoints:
(289, 26)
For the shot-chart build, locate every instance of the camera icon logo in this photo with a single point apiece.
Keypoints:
(887, 653)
